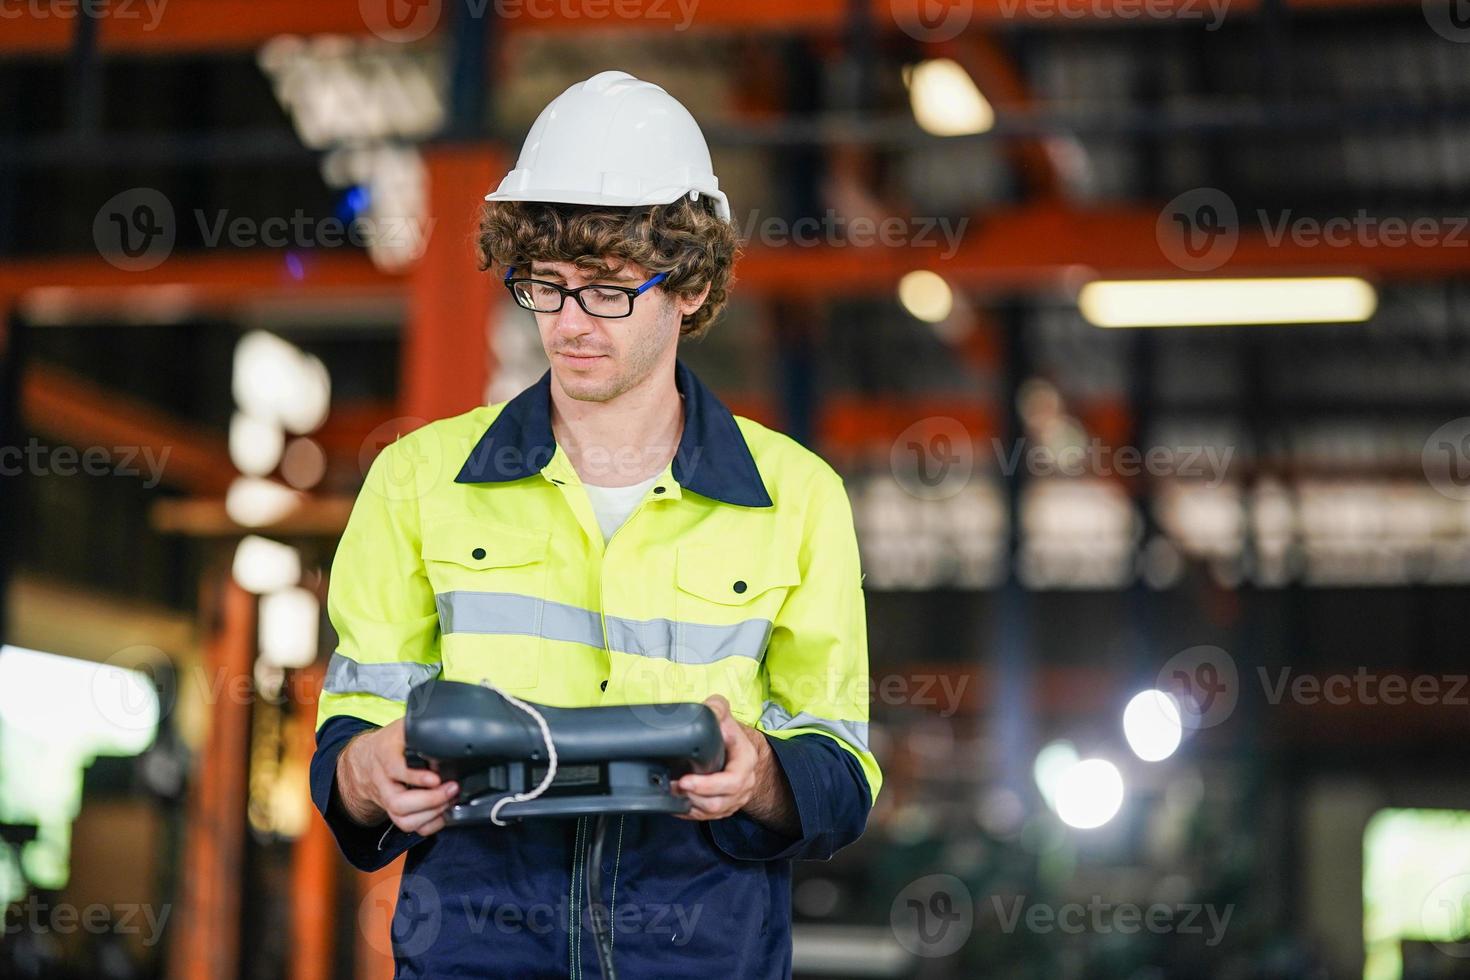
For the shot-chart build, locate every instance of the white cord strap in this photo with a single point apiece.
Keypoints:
(550, 757)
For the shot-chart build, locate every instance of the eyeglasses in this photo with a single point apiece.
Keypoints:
(609, 302)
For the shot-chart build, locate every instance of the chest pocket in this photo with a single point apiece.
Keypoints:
(489, 584)
(726, 601)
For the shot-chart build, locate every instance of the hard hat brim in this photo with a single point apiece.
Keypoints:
(540, 195)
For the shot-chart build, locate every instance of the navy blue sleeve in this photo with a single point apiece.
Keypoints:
(832, 804)
(366, 848)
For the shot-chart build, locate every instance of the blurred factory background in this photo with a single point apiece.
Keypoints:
(1139, 329)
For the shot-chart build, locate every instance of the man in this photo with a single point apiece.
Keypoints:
(611, 535)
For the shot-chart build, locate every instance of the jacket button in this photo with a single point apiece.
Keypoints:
(477, 554)
(658, 489)
(739, 587)
(603, 685)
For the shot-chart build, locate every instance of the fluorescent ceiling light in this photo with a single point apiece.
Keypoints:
(1223, 302)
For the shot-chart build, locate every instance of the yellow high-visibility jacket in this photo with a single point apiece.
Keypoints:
(473, 553)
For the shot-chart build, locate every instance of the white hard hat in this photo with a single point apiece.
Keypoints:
(617, 141)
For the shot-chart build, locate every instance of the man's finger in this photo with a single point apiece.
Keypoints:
(725, 783)
(712, 807)
(416, 823)
(414, 800)
(400, 771)
(719, 706)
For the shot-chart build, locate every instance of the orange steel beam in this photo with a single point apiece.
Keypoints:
(446, 353)
(242, 24)
(55, 288)
(314, 859)
(84, 414)
(1036, 246)
(996, 75)
(377, 894)
(1047, 246)
(208, 943)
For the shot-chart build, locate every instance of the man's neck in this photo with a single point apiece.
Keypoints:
(623, 441)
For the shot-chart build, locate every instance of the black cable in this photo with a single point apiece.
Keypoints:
(601, 922)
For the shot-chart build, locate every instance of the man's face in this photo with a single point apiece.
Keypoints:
(596, 358)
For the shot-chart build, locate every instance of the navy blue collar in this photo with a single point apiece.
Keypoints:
(712, 460)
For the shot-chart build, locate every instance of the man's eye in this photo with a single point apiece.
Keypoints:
(607, 294)
(544, 291)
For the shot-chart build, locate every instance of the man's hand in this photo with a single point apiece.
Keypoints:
(752, 779)
(375, 782)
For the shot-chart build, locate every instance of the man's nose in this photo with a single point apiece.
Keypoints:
(572, 320)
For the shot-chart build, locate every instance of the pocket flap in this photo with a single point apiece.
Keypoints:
(733, 578)
(478, 544)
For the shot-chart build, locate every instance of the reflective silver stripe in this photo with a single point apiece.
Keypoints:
(390, 680)
(855, 733)
(507, 613)
(688, 643)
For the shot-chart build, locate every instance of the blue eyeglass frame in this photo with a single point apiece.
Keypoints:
(633, 294)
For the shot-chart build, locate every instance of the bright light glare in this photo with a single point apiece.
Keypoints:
(945, 100)
(1152, 725)
(926, 296)
(109, 710)
(1052, 764)
(253, 502)
(262, 565)
(255, 444)
(1089, 794)
(273, 379)
(288, 628)
(1224, 302)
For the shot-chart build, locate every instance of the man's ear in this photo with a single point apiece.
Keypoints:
(691, 304)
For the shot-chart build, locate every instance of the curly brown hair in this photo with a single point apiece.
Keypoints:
(685, 239)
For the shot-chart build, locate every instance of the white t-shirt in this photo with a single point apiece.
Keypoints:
(613, 505)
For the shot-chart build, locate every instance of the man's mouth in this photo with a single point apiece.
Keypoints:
(580, 358)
